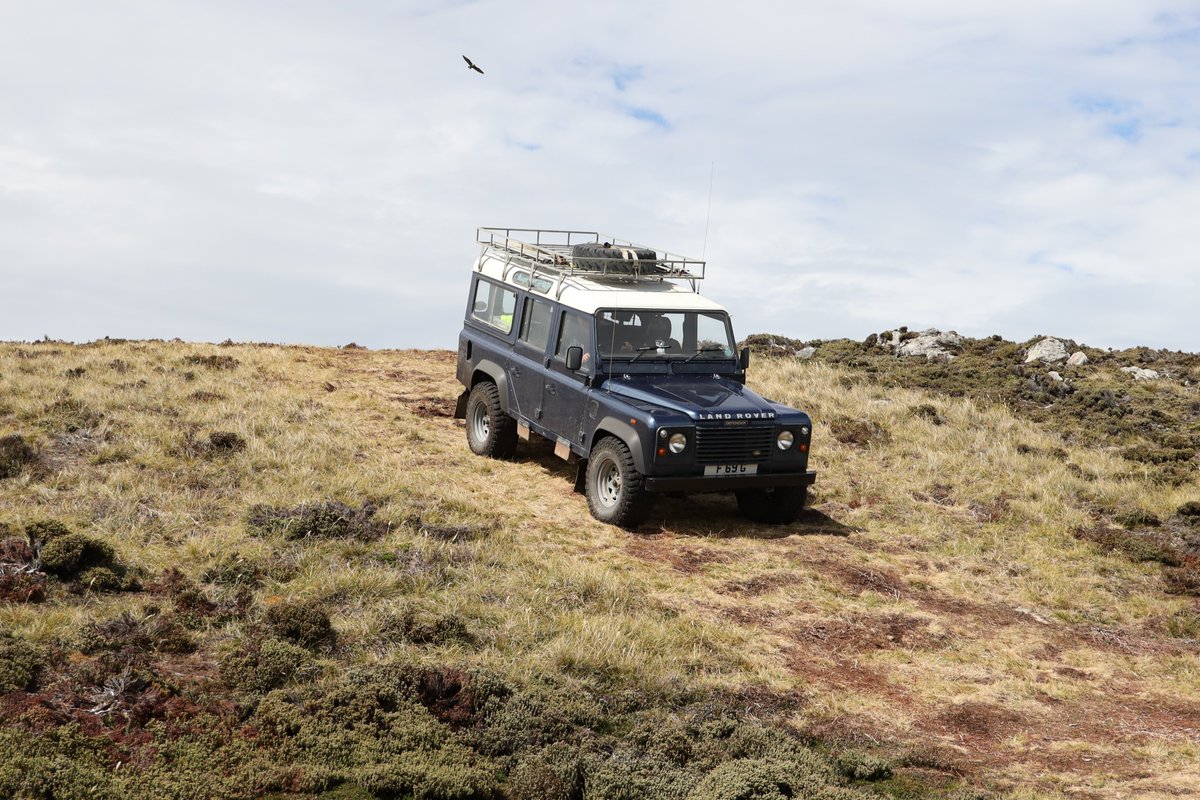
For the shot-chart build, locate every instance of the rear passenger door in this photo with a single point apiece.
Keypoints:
(527, 364)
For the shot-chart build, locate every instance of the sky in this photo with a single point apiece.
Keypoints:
(314, 172)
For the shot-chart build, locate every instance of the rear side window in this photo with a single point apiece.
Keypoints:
(535, 324)
(494, 305)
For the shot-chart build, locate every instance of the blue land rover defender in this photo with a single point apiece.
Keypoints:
(607, 349)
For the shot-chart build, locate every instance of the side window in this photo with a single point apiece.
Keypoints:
(575, 331)
(535, 324)
(494, 305)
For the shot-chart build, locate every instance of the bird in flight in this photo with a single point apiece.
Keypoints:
(471, 65)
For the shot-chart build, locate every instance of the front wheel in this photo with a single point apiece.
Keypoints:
(615, 490)
(779, 506)
(490, 432)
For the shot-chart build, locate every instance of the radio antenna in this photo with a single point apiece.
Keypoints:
(711, 168)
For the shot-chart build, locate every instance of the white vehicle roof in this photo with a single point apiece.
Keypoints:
(671, 286)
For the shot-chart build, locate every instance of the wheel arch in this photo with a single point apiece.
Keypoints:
(631, 436)
(487, 370)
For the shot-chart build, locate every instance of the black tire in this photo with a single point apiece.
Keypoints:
(779, 506)
(614, 260)
(490, 432)
(614, 488)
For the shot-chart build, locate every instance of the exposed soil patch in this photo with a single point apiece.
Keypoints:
(448, 695)
(759, 584)
(975, 720)
(864, 632)
(689, 560)
(70, 450)
(430, 406)
(866, 579)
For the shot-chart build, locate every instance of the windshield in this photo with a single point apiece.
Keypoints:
(646, 335)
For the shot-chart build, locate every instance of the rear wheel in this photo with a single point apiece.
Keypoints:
(615, 489)
(779, 506)
(490, 432)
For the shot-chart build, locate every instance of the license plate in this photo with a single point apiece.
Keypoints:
(731, 469)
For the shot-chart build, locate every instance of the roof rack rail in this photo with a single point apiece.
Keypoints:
(551, 252)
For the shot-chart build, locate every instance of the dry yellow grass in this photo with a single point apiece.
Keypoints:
(939, 601)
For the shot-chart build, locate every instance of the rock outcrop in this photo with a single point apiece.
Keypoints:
(933, 343)
(1077, 359)
(1048, 350)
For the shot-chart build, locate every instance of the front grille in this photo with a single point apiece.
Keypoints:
(734, 445)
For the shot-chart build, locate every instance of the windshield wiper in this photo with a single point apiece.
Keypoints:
(712, 348)
(648, 348)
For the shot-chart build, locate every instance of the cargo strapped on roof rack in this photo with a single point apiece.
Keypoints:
(562, 255)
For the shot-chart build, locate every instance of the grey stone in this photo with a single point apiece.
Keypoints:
(806, 352)
(1048, 350)
(1077, 359)
(1140, 374)
(1054, 376)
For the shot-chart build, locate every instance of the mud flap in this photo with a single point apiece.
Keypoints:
(460, 407)
(581, 476)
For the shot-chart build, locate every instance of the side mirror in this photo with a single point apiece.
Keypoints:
(574, 358)
(481, 306)
(744, 359)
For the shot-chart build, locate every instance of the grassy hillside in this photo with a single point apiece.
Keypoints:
(245, 570)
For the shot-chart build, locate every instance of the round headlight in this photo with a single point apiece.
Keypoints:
(785, 439)
(677, 442)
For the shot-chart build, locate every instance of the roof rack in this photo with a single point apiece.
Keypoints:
(549, 252)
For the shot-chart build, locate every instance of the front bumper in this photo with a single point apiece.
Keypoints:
(714, 483)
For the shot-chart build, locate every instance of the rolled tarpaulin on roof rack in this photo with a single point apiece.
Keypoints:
(613, 259)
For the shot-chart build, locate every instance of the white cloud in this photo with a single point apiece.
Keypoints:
(315, 172)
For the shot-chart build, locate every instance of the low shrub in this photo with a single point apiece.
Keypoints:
(858, 432)
(226, 442)
(212, 362)
(1183, 580)
(328, 520)
(16, 455)
(301, 622)
(20, 664)
(413, 626)
(1137, 518)
(1190, 511)
(263, 664)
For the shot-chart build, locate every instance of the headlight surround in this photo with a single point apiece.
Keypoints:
(677, 443)
(785, 440)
